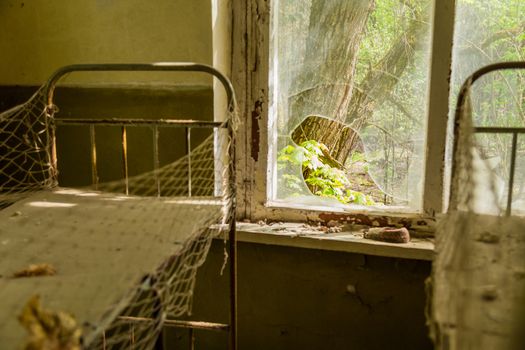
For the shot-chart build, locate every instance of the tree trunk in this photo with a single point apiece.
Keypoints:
(326, 82)
(377, 85)
(363, 100)
(332, 133)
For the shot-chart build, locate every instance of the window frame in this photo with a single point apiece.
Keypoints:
(250, 73)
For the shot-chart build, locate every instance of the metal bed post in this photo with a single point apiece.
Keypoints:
(188, 154)
(93, 144)
(231, 190)
(156, 161)
(124, 136)
(232, 238)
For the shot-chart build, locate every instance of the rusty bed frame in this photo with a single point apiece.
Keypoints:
(513, 131)
(187, 125)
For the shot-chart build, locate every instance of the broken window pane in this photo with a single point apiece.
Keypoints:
(348, 98)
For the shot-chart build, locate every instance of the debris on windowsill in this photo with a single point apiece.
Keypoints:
(488, 237)
(35, 270)
(347, 238)
(387, 234)
(304, 229)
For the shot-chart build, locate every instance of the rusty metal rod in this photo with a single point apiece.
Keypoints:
(498, 130)
(125, 158)
(132, 337)
(138, 67)
(232, 238)
(188, 154)
(511, 174)
(191, 339)
(181, 324)
(136, 121)
(94, 172)
(156, 161)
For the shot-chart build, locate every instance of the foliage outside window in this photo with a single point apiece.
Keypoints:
(487, 32)
(322, 174)
(351, 78)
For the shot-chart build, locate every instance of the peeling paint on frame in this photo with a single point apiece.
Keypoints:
(256, 117)
(252, 66)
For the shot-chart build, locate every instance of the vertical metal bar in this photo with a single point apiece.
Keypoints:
(94, 172)
(132, 337)
(188, 153)
(51, 130)
(156, 162)
(233, 282)
(232, 237)
(125, 157)
(191, 338)
(512, 170)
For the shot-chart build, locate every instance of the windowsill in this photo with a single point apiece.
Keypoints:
(303, 236)
(277, 211)
(337, 207)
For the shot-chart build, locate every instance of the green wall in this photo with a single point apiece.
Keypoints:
(296, 298)
(39, 36)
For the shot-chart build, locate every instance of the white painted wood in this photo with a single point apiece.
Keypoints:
(439, 89)
(240, 83)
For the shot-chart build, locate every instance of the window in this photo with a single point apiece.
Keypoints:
(317, 71)
(363, 64)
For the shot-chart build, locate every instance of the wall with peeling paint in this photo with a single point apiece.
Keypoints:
(293, 298)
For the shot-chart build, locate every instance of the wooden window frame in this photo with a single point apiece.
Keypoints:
(250, 60)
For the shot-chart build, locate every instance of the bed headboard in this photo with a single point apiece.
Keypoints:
(154, 125)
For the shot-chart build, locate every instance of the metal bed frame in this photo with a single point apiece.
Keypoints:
(514, 131)
(188, 125)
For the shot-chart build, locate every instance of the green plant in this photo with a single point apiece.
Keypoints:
(322, 179)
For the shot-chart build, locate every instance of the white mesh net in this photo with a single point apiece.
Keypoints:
(117, 264)
(25, 164)
(478, 278)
